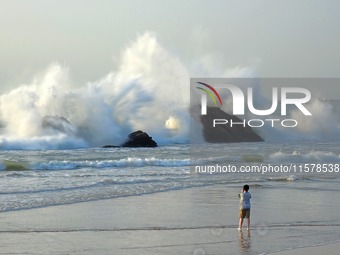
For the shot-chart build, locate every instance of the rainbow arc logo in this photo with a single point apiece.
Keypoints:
(212, 93)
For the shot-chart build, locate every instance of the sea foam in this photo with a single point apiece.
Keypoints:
(148, 91)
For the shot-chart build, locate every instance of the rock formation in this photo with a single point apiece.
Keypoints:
(225, 133)
(139, 139)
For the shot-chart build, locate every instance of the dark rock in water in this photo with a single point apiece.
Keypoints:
(139, 139)
(225, 133)
(110, 146)
(58, 123)
(136, 139)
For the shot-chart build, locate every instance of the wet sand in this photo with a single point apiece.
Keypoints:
(322, 249)
(193, 221)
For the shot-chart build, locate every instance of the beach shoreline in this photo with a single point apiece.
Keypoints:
(196, 221)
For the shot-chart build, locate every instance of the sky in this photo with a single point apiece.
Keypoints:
(284, 38)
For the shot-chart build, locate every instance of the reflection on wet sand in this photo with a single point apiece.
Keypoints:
(245, 242)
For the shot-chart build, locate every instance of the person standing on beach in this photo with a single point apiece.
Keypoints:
(244, 197)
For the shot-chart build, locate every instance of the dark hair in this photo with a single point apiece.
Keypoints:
(246, 187)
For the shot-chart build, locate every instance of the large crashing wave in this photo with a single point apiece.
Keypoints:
(149, 91)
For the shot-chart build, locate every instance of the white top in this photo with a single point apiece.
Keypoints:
(245, 200)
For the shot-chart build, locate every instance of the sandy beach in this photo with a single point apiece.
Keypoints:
(323, 249)
(192, 221)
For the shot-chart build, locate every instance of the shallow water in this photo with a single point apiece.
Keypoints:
(54, 177)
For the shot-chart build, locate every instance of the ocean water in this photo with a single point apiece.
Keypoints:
(290, 209)
(33, 178)
(62, 162)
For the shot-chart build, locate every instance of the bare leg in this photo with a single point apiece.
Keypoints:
(248, 223)
(240, 223)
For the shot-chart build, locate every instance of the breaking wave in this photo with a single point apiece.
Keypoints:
(149, 91)
(98, 164)
(297, 157)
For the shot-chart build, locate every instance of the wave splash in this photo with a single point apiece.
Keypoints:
(103, 112)
(148, 91)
